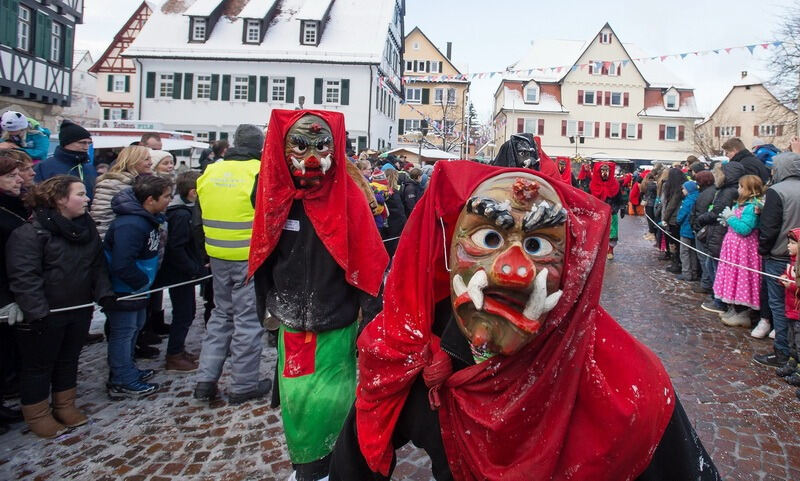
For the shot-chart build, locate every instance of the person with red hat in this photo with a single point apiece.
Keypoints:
(605, 187)
(317, 259)
(493, 354)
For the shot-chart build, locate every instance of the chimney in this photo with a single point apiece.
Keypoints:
(449, 49)
(744, 73)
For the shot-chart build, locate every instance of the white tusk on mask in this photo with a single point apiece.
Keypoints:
(458, 285)
(539, 302)
(477, 283)
(299, 164)
(325, 163)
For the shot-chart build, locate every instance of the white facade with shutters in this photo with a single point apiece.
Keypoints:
(210, 67)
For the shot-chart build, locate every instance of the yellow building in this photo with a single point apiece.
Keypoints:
(431, 103)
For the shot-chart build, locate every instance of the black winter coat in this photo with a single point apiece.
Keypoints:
(396, 221)
(704, 200)
(725, 197)
(412, 192)
(53, 262)
(12, 215)
(182, 260)
(752, 165)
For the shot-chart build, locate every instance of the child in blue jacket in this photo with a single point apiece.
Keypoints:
(689, 268)
(132, 246)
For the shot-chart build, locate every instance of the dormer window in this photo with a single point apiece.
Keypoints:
(309, 32)
(532, 94)
(199, 29)
(252, 31)
(605, 37)
(671, 100)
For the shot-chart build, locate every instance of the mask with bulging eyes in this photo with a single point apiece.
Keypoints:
(562, 165)
(309, 151)
(604, 172)
(507, 257)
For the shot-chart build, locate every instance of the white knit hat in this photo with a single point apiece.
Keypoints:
(13, 121)
(158, 156)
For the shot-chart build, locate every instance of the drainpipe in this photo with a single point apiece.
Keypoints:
(141, 71)
(369, 111)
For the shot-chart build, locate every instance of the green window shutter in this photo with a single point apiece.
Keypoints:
(106, 114)
(177, 80)
(214, 87)
(226, 89)
(68, 39)
(39, 35)
(212, 136)
(124, 114)
(47, 37)
(150, 90)
(263, 85)
(110, 83)
(317, 90)
(223, 135)
(9, 9)
(127, 83)
(289, 90)
(345, 100)
(426, 96)
(188, 80)
(401, 127)
(251, 88)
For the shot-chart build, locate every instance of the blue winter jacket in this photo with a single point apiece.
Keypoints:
(745, 224)
(68, 162)
(37, 143)
(132, 244)
(685, 211)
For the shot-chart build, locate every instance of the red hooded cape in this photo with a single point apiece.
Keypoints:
(604, 189)
(546, 165)
(585, 173)
(583, 401)
(565, 176)
(337, 208)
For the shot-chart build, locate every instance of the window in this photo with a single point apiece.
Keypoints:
(24, 28)
(438, 96)
(451, 96)
(588, 129)
(530, 126)
(55, 42)
(409, 65)
(278, 89)
(253, 31)
(532, 95)
(744, 108)
(415, 45)
(671, 133)
(572, 128)
(332, 91)
(201, 136)
(616, 99)
(436, 67)
(727, 131)
(614, 68)
(671, 102)
(118, 85)
(119, 114)
(616, 131)
(412, 124)
(203, 88)
(449, 126)
(199, 29)
(631, 131)
(413, 96)
(240, 87)
(595, 67)
(767, 130)
(309, 33)
(752, 108)
(588, 97)
(165, 85)
(605, 37)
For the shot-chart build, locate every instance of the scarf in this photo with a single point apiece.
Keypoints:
(337, 208)
(603, 189)
(78, 230)
(583, 401)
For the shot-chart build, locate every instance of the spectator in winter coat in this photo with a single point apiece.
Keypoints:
(132, 247)
(71, 157)
(55, 261)
(412, 191)
(650, 189)
(25, 135)
(151, 140)
(736, 151)
(689, 270)
(397, 212)
(669, 214)
(182, 262)
(780, 214)
(705, 182)
(133, 161)
(25, 166)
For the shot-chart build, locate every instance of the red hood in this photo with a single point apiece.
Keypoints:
(337, 208)
(584, 400)
(600, 188)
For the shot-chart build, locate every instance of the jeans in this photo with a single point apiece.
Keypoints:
(124, 329)
(688, 259)
(183, 311)
(50, 355)
(707, 264)
(777, 298)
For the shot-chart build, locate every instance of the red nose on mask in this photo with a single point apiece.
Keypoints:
(312, 163)
(513, 268)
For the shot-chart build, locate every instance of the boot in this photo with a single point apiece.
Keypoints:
(157, 324)
(40, 420)
(65, 411)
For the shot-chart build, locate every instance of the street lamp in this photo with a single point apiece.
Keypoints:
(418, 136)
(575, 139)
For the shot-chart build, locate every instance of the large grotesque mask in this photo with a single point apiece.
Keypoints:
(524, 150)
(562, 166)
(605, 172)
(309, 151)
(507, 256)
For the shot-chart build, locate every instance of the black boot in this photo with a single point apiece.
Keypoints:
(157, 324)
(9, 415)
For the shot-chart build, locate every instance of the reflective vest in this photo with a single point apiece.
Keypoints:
(224, 194)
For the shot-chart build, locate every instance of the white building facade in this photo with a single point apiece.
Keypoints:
(217, 64)
(84, 109)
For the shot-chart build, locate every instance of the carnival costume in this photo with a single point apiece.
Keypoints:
(604, 186)
(506, 367)
(317, 258)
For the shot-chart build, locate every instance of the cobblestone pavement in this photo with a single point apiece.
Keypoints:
(747, 418)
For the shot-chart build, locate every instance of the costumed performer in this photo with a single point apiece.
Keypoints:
(506, 367)
(605, 186)
(317, 258)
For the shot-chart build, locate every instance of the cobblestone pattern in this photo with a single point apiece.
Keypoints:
(746, 417)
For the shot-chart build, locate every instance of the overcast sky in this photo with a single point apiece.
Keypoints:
(489, 36)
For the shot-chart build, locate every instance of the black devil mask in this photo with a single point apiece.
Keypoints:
(309, 151)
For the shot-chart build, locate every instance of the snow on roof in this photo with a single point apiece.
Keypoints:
(687, 110)
(257, 8)
(428, 153)
(78, 55)
(748, 79)
(547, 103)
(202, 8)
(313, 9)
(355, 33)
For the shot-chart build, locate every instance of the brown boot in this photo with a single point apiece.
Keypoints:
(40, 420)
(179, 363)
(65, 411)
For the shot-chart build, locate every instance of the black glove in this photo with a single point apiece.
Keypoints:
(34, 326)
(622, 212)
(107, 302)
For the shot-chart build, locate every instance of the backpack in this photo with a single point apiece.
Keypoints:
(765, 153)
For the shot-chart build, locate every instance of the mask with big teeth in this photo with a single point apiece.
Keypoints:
(507, 256)
(562, 165)
(309, 151)
(604, 172)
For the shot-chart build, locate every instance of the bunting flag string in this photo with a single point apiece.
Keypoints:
(620, 63)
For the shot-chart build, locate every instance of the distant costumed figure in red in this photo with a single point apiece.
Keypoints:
(605, 186)
(493, 354)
